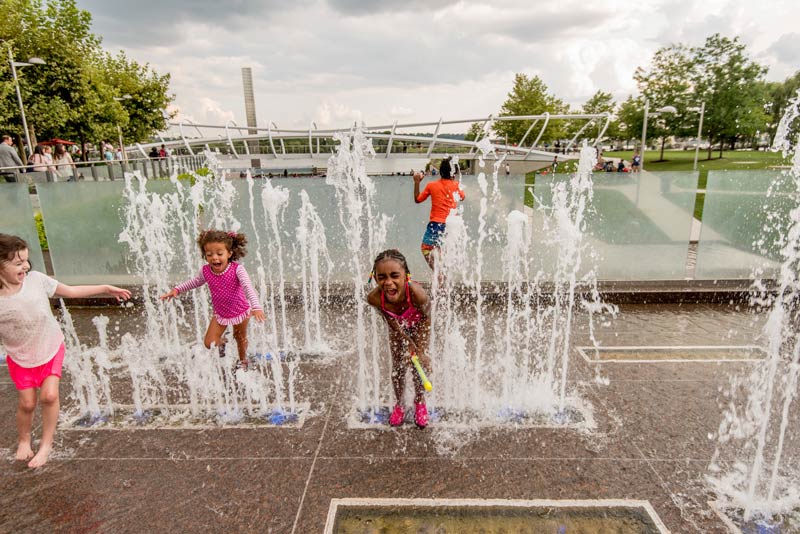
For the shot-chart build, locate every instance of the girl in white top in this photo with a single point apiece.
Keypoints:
(64, 164)
(34, 341)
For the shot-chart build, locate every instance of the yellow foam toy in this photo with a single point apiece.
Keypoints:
(421, 372)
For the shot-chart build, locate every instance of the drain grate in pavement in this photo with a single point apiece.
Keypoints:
(446, 516)
(570, 417)
(180, 417)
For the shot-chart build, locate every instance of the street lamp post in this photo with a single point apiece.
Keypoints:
(119, 129)
(699, 133)
(14, 65)
(659, 111)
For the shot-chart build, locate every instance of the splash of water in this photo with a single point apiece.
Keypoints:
(761, 480)
(169, 374)
(522, 369)
(364, 238)
(275, 199)
(313, 254)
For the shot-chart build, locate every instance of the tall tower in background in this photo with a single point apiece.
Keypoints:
(250, 105)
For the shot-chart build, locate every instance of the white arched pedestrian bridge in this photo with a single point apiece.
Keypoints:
(398, 147)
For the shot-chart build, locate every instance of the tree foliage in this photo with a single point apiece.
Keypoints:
(667, 83)
(529, 96)
(73, 94)
(602, 102)
(779, 95)
(728, 81)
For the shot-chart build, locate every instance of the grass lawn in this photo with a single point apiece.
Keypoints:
(683, 160)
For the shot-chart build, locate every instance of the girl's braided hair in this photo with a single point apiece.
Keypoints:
(233, 241)
(390, 254)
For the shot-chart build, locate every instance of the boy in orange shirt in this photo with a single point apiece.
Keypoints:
(443, 193)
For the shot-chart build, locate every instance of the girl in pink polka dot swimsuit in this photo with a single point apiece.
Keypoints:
(232, 295)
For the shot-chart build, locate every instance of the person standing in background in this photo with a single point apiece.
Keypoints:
(9, 158)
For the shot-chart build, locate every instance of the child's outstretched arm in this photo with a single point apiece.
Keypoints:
(250, 294)
(170, 295)
(76, 292)
(194, 283)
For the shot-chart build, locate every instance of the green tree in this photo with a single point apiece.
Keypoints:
(72, 95)
(729, 83)
(148, 91)
(667, 83)
(630, 118)
(474, 132)
(779, 95)
(529, 96)
(602, 102)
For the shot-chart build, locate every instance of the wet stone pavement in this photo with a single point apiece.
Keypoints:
(651, 443)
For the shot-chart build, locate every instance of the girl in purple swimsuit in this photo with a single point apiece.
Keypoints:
(406, 307)
(232, 295)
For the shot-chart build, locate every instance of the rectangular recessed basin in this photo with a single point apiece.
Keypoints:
(473, 516)
(677, 354)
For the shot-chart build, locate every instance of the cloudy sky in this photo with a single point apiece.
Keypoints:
(333, 61)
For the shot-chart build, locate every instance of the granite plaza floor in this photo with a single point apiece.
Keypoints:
(651, 444)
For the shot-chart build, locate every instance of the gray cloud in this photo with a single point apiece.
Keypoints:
(361, 8)
(163, 23)
(384, 58)
(786, 49)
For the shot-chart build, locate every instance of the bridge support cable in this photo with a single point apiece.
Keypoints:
(572, 141)
(283, 145)
(603, 131)
(522, 141)
(391, 138)
(269, 137)
(433, 141)
(230, 141)
(310, 144)
(538, 137)
(483, 132)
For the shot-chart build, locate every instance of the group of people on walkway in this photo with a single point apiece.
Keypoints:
(44, 158)
(609, 165)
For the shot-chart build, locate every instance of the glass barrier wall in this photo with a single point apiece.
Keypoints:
(639, 225)
(637, 228)
(16, 218)
(406, 220)
(745, 216)
(83, 221)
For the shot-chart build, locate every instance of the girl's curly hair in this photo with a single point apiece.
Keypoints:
(235, 242)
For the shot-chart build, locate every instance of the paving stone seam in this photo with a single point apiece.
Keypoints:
(379, 458)
(313, 464)
(665, 489)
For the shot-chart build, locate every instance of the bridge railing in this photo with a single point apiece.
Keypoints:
(105, 170)
(388, 139)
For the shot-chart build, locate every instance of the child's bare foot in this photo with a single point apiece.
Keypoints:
(41, 457)
(24, 451)
(241, 364)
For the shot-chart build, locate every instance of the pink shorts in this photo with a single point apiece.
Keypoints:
(33, 377)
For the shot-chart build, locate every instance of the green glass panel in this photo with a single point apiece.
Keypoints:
(83, 222)
(637, 227)
(393, 199)
(16, 218)
(745, 219)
